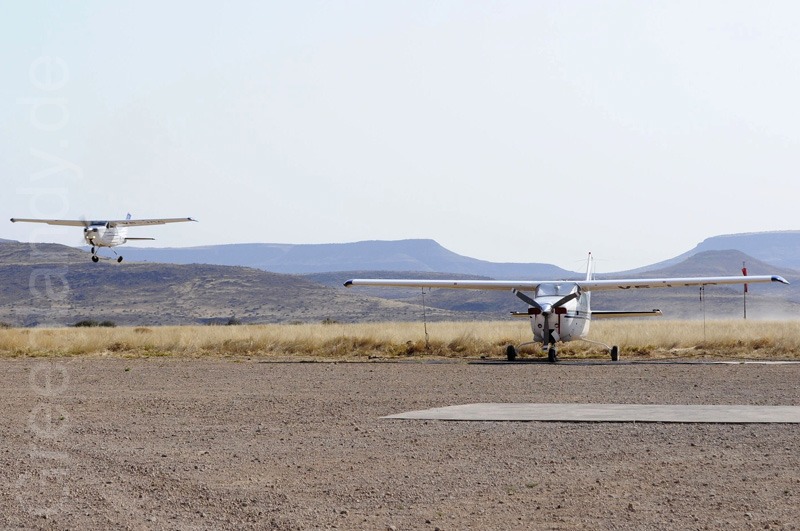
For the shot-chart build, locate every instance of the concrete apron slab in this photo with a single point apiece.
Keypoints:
(723, 414)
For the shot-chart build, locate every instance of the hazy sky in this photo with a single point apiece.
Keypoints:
(507, 131)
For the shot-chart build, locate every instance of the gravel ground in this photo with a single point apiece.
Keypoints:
(229, 444)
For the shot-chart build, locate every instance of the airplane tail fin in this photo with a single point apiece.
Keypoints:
(128, 216)
(590, 268)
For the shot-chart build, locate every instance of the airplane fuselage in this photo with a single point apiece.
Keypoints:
(101, 235)
(568, 322)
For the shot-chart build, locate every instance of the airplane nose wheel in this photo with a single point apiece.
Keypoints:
(615, 353)
(552, 355)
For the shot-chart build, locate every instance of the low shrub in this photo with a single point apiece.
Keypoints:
(93, 323)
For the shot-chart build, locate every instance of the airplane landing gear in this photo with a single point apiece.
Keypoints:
(119, 259)
(615, 353)
(95, 258)
(552, 353)
(511, 353)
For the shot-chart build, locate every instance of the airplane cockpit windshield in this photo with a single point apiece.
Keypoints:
(554, 290)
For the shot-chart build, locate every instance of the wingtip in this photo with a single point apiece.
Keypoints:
(348, 283)
(778, 278)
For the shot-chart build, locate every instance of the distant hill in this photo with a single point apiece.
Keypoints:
(779, 248)
(711, 263)
(400, 255)
(50, 284)
(55, 285)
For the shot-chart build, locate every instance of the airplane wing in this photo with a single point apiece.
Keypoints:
(451, 284)
(143, 222)
(66, 222)
(585, 285)
(600, 285)
(110, 223)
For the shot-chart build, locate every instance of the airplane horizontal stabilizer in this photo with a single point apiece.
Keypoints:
(608, 314)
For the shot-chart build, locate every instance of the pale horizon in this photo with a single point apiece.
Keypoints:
(506, 132)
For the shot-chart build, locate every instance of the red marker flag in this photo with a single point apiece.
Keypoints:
(744, 272)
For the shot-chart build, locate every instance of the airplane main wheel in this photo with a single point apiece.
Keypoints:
(511, 353)
(119, 259)
(552, 355)
(615, 353)
(95, 258)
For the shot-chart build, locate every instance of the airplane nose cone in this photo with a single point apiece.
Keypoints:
(547, 308)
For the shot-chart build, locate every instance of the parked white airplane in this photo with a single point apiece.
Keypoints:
(107, 233)
(560, 310)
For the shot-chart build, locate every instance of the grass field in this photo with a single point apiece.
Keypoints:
(655, 339)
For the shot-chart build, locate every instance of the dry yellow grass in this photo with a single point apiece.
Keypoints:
(723, 338)
(657, 339)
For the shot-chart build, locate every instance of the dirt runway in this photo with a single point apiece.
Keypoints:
(238, 443)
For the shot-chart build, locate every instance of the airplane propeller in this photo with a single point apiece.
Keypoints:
(563, 300)
(86, 225)
(560, 302)
(531, 302)
(89, 234)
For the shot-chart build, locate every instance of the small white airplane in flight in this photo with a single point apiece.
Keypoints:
(560, 310)
(107, 233)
